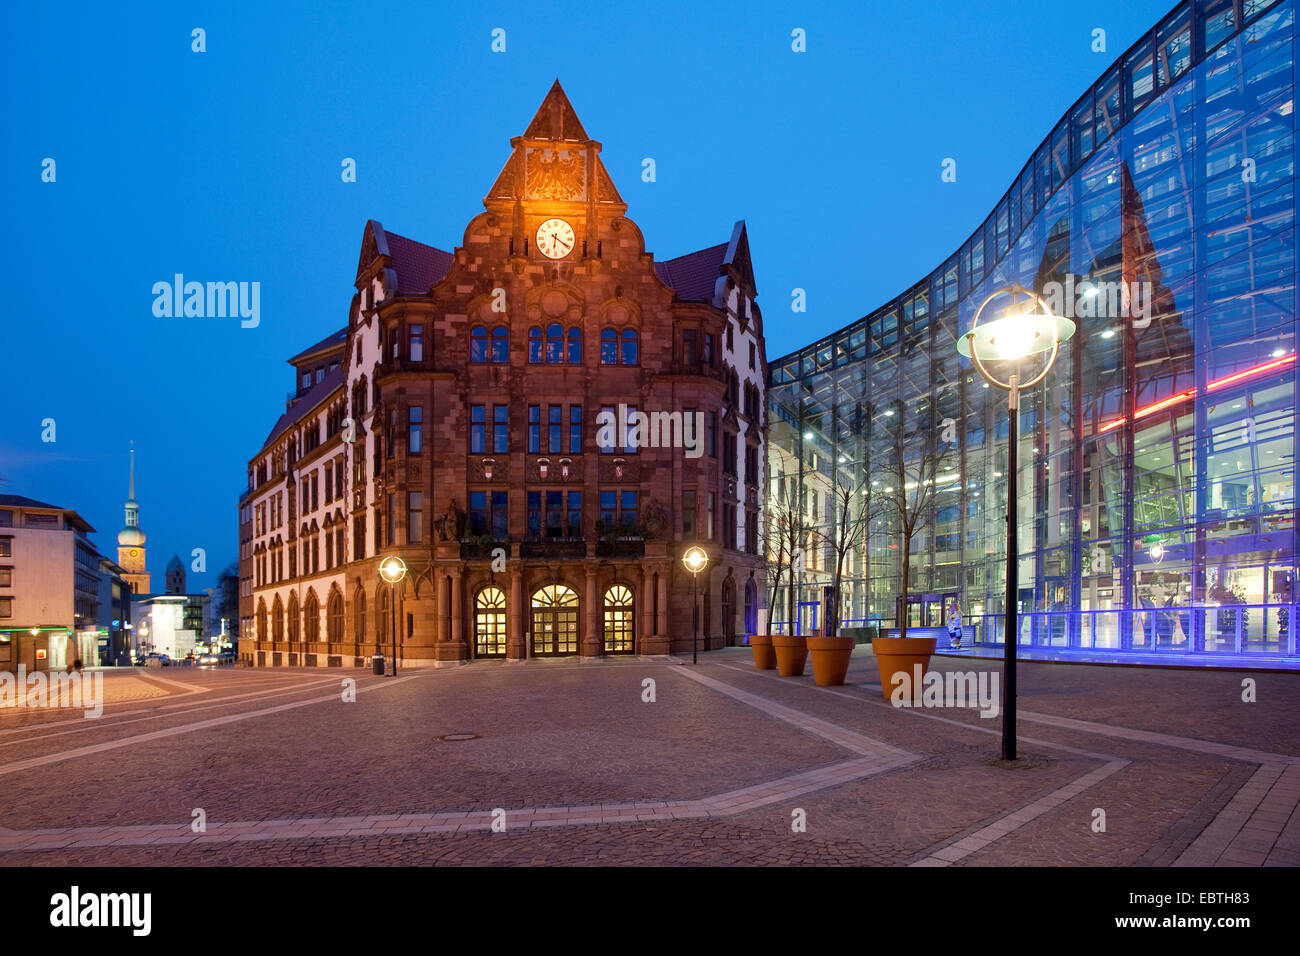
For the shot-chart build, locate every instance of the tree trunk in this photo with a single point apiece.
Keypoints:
(907, 566)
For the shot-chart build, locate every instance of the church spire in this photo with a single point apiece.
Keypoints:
(130, 494)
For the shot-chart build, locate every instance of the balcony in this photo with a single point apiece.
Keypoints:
(623, 546)
(554, 548)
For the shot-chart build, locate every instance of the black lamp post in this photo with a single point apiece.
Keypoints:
(393, 570)
(694, 561)
(1021, 331)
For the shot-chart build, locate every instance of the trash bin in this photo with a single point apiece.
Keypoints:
(378, 665)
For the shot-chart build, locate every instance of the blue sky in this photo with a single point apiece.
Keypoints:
(224, 165)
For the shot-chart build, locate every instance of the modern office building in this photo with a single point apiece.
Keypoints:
(1157, 508)
(469, 420)
(49, 586)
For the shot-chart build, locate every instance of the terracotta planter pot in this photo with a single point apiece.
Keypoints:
(900, 655)
(830, 658)
(764, 655)
(791, 654)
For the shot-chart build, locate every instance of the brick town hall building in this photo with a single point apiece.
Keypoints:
(454, 423)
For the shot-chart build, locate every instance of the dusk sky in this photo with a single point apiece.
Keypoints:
(225, 166)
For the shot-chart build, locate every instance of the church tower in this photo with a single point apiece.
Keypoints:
(130, 541)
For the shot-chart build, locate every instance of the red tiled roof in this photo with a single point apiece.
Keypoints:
(307, 401)
(331, 341)
(694, 275)
(418, 266)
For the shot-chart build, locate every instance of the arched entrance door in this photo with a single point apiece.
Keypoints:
(555, 621)
(620, 629)
(729, 612)
(490, 623)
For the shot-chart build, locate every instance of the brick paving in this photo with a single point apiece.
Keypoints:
(728, 766)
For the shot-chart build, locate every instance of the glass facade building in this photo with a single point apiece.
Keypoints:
(1156, 461)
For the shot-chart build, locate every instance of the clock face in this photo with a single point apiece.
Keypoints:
(555, 238)
(135, 554)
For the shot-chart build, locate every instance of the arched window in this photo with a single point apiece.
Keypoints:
(293, 619)
(261, 620)
(311, 618)
(500, 345)
(384, 623)
(490, 623)
(629, 356)
(359, 609)
(575, 346)
(554, 343)
(608, 347)
(334, 627)
(478, 344)
(535, 344)
(620, 631)
(277, 620)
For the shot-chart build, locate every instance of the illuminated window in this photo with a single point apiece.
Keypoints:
(619, 620)
(490, 623)
(554, 621)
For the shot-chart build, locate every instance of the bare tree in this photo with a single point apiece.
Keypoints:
(784, 532)
(913, 475)
(854, 511)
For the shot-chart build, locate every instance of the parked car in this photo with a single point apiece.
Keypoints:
(157, 660)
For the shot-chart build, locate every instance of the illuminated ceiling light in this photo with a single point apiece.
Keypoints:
(808, 436)
(889, 412)
(1108, 334)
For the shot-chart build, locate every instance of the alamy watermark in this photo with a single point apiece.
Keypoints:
(637, 429)
(1085, 298)
(53, 689)
(212, 300)
(952, 689)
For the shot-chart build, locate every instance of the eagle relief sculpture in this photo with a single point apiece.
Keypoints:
(551, 176)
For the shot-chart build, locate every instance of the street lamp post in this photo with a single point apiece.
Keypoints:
(694, 561)
(393, 570)
(1020, 332)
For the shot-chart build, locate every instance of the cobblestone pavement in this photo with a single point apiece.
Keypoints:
(565, 763)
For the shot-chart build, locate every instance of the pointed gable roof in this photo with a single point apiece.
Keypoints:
(556, 120)
(695, 276)
(554, 130)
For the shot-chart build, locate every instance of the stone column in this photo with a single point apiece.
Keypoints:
(457, 608)
(591, 639)
(444, 602)
(663, 637)
(645, 625)
(515, 616)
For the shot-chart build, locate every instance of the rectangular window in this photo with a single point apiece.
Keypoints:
(710, 434)
(478, 513)
(627, 510)
(555, 423)
(575, 514)
(534, 429)
(690, 353)
(575, 429)
(534, 514)
(391, 537)
(708, 526)
(6, 577)
(554, 514)
(414, 429)
(500, 515)
(630, 448)
(338, 545)
(415, 351)
(753, 356)
(293, 562)
(329, 552)
(6, 518)
(477, 429)
(6, 607)
(414, 517)
(710, 352)
(358, 540)
(500, 428)
(729, 454)
(751, 466)
(315, 555)
(607, 427)
(609, 509)
(751, 532)
(688, 514)
(315, 486)
(329, 491)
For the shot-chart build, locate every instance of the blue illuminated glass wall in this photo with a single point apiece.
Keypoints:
(1156, 461)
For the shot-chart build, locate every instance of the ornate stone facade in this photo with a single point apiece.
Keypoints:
(455, 423)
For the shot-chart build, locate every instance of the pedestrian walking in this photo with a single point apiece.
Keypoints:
(954, 625)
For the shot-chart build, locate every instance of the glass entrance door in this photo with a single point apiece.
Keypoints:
(555, 621)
